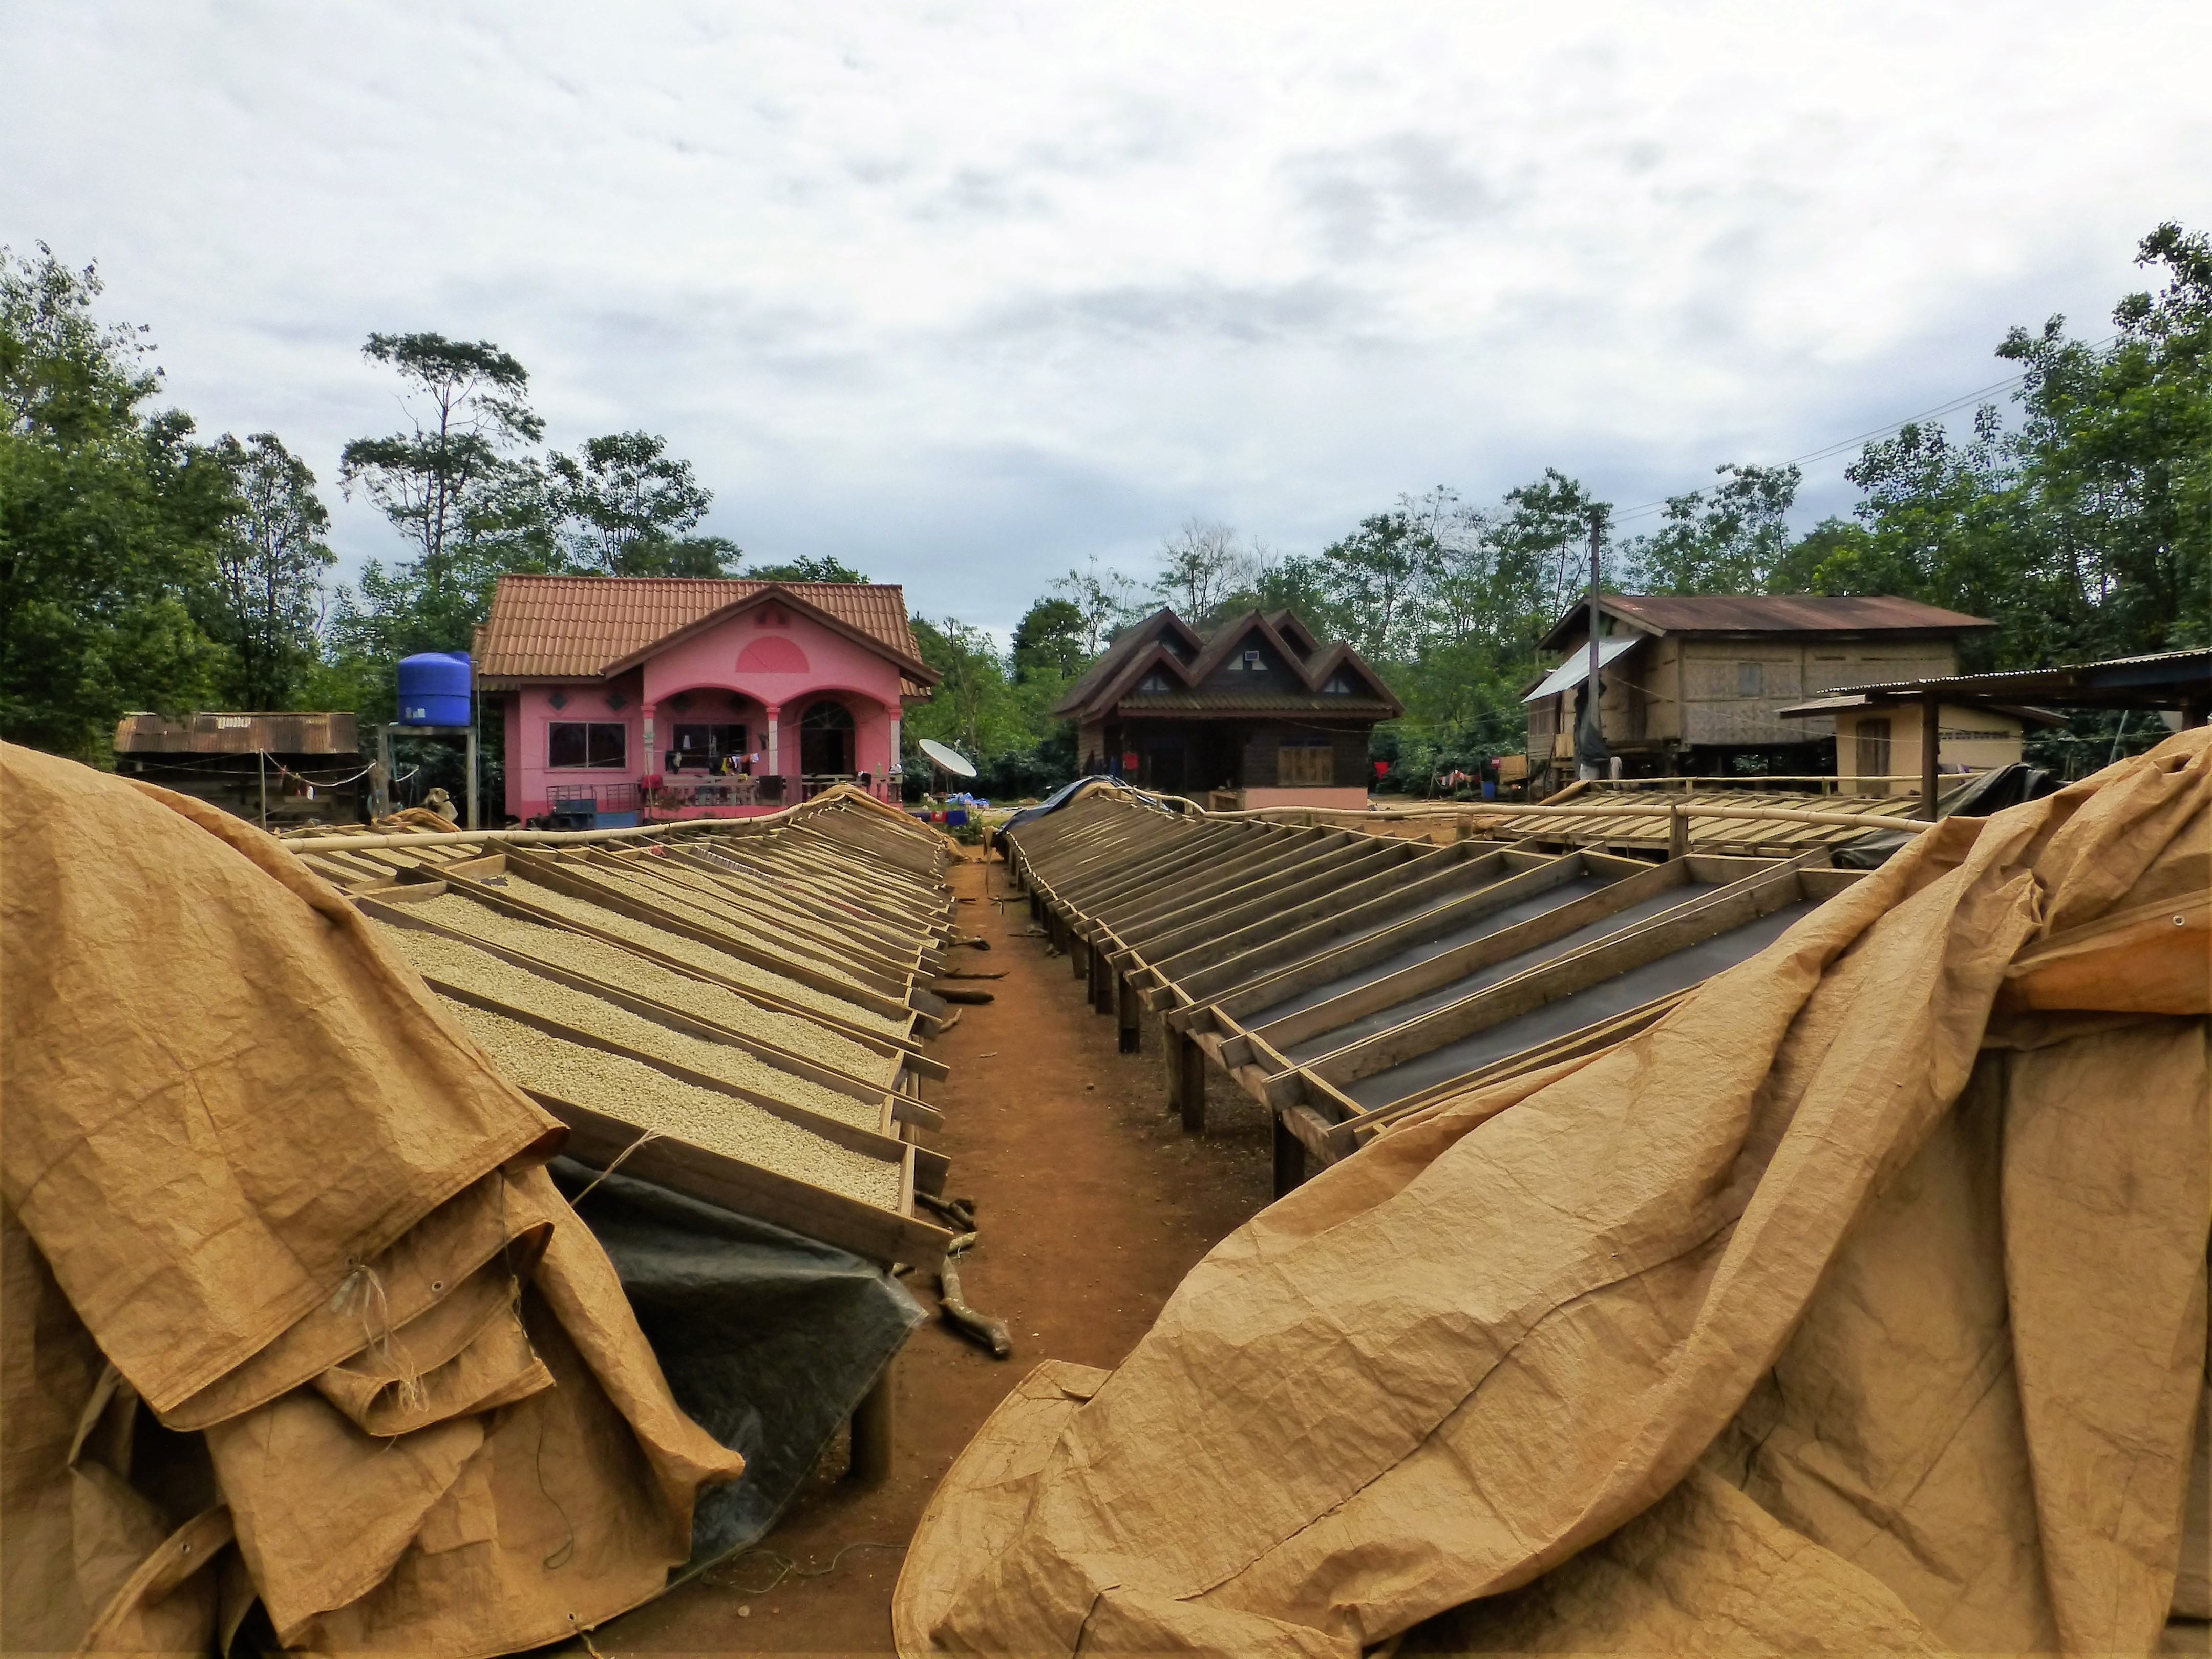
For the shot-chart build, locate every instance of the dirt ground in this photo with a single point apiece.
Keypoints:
(1093, 1204)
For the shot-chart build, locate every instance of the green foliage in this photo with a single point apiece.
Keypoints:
(109, 519)
(828, 568)
(1048, 643)
(628, 507)
(266, 603)
(1732, 539)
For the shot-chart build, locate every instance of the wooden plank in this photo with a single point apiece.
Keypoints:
(836, 1130)
(1701, 919)
(878, 1235)
(561, 880)
(1418, 979)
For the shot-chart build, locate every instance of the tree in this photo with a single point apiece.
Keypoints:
(466, 410)
(1732, 539)
(1375, 574)
(627, 507)
(268, 599)
(109, 515)
(1101, 598)
(451, 485)
(826, 568)
(1048, 642)
(1201, 565)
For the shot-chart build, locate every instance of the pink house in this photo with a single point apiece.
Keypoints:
(669, 696)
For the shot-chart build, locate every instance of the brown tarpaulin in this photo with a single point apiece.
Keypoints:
(288, 1312)
(1860, 1304)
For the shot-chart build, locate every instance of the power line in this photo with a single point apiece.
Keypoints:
(1838, 446)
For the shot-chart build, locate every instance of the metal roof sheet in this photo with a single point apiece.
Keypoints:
(572, 627)
(1766, 613)
(1576, 669)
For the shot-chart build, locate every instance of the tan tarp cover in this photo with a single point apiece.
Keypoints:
(1860, 1305)
(288, 1309)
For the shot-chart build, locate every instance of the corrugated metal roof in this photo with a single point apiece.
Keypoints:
(1576, 669)
(572, 627)
(1764, 613)
(240, 733)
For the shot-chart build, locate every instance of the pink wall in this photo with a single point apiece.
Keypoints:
(734, 673)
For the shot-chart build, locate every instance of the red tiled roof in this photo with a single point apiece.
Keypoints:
(544, 628)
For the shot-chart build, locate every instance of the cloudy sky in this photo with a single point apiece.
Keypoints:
(964, 294)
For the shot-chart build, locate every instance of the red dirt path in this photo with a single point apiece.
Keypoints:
(1092, 1204)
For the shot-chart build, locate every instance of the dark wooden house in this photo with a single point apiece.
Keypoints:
(1260, 713)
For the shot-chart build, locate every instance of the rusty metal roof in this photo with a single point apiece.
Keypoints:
(544, 628)
(242, 734)
(1763, 613)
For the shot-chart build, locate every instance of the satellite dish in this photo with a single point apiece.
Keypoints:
(947, 756)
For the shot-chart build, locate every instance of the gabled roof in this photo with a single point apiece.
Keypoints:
(1139, 638)
(569, 628)
(1760, 613)
(1143, 649)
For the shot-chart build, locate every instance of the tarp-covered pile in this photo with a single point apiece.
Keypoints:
(1860, 1305)
(291, 1311)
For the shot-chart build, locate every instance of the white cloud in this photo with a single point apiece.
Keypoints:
(962, 293)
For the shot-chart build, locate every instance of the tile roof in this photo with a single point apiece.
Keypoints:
(573, 627)
(1112, 680)
(1764, 613)
(1242, 703)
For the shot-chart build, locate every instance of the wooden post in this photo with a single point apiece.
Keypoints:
(1677, 832)
(1930, 737)
(1126, 1010)
(1190, 1063)
(1102, 982)
(872, 1420)
(1290, 1158)
(1079, 955)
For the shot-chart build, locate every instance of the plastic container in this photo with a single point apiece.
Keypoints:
(434, 688)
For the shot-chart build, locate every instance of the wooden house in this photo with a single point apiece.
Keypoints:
(1262, 713)
(1692, 684)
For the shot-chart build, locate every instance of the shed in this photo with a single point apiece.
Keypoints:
(274, 768)
(1689, 684)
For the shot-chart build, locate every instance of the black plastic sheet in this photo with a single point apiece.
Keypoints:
(768, 1339)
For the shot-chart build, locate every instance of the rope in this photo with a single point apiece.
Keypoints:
(378, 1338)
(621, 1157)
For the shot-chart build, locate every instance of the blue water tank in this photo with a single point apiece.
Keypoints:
(434, 688)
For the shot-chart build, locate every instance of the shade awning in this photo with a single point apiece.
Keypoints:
(1576, 669)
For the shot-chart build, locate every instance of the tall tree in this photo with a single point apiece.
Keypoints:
(109, 515)
(1101, 598)
(1734, 538)
(452, 485)
(1048, 642)
(1200, 566)
(628, 507)
(467, 409)
(268, 600)
(1377, 574)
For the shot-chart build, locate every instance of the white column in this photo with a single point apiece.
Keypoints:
(898, 766)
(774, 719)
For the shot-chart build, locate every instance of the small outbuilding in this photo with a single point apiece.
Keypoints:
(1879, 736)
(1262, 713)
(279, 769)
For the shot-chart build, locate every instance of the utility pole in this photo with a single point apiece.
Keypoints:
(1586, 769)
